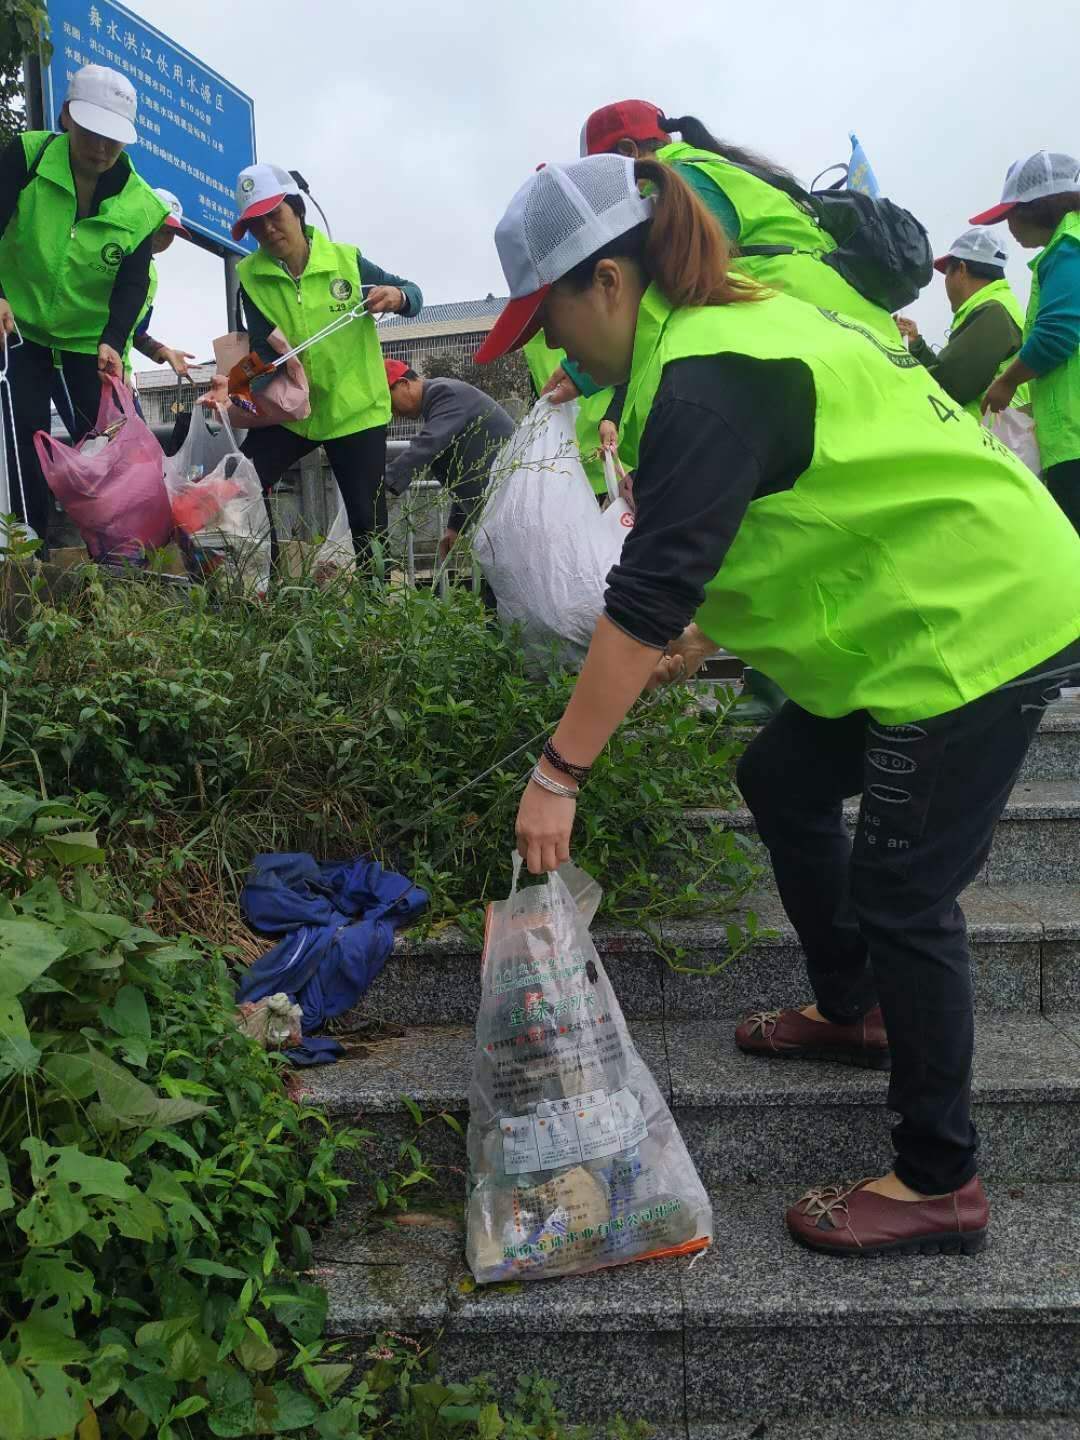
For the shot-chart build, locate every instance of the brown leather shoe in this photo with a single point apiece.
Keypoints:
(788, 1034)
(855, 1221)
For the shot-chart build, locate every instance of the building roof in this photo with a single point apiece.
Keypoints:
(456, 313)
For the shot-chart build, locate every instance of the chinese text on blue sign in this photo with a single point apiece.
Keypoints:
(196, 131)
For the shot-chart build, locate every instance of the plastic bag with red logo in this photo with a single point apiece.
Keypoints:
(112, 483)
(543, 543)
(575, 1162)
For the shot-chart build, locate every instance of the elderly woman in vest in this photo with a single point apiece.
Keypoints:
(1041, 205)
(76, 233)
(298, 281)
(800, 489)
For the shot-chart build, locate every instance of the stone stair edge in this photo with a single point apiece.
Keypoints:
(984, 905)
(1019, 1059)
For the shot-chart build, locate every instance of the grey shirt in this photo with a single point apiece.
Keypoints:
(462, 429)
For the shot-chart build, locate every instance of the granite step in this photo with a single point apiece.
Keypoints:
(878, 1427)
(744, 1119)
(1025, 943)
(757, 1331)
(1054, 752)
(1037, 841)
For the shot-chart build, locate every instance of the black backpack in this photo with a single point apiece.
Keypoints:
(881, 249)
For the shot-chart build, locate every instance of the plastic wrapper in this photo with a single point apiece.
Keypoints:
(1016, 429)
(575, 1162)
(543, 543)
(112, 484)
(274, 1022)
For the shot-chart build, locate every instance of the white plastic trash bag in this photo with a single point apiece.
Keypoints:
(575, 1162)
(542, 541)
(1016, 429)
(337, 552)
(223, 522)
(202, 450)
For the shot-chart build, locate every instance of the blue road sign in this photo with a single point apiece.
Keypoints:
(196, 131)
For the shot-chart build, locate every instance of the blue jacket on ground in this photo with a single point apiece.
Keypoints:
(338, 921)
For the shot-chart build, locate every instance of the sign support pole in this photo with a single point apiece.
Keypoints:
(232, 292)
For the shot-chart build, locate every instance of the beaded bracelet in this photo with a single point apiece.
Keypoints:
(580, 773)
(552, 786)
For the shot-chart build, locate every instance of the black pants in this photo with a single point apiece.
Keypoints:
(1063, 482)
(34, 381)
(358, 462)
(879, 920)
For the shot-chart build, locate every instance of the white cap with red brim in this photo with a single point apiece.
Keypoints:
(978, 244)
(174, 220)
(260, 189)
(559, 217)
(1047, 172)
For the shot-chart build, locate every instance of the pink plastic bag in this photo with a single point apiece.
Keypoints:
(286, 397)
(114, 492)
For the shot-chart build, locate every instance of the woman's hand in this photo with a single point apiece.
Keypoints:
(447, 543)
(683, 658)
(218, 394)
(386, 300)
(7, 318)
(109, 363)
(609, 435)
(560, 388)
(999, 396)
(176, 358)
(544, 825)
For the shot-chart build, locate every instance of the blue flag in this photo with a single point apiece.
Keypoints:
(860, 176)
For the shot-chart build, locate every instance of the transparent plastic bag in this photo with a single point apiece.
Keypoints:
(223, 522)
(575, 1162)
(201, 451)
(1016, 429)
(543, 543)
(337, 552)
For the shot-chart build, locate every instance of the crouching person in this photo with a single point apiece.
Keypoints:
(461, 432)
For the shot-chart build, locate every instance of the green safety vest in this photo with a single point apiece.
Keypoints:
(543, 362)
(1055, 397)
(767, 216)
(58, 271)
(916, 563)
(998, 292)
(345, 372)
(151, 296)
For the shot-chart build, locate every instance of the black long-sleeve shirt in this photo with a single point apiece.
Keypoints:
(968, 363)
(132, 280)
(723, 431)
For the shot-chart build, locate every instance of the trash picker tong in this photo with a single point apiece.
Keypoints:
(251, 367)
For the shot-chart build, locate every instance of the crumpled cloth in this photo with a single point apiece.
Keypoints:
(337, 920)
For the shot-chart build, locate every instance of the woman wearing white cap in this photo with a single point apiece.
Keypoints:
(811, 498)
(1041, 205)
(76, 228)
(142, 340)
(298, 281)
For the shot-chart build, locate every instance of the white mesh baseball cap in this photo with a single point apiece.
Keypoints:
(260, 189)
(559, 217)
(103, 101)
(175, 218)
(1047, 172)
(979, 244)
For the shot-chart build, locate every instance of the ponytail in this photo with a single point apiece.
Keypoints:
(681, 249)
(694, 133)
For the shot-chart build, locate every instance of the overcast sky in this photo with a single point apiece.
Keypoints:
(415, 126)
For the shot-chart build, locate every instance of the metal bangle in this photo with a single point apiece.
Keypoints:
(552, 786)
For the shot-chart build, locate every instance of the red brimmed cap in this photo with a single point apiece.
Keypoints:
(1047, 172)
(559, 217)
(174, 220)
(260, 189)
(625, 120)
(396, 370)
(978, 244)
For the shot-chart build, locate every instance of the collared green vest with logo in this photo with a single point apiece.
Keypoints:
(998, 292)
(543, 362)
(346, 375)
(151, 296)
(1055, 397)
(58, 271)
(769, 217)
(916, 563)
